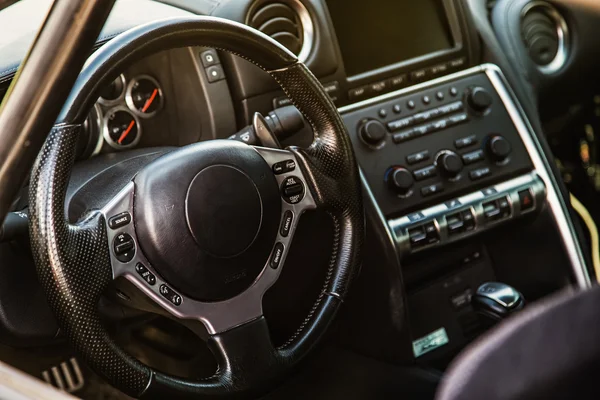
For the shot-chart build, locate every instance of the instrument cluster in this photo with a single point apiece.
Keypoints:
(115, 122)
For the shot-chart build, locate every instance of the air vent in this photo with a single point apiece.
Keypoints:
(544, 32)
(286, 21)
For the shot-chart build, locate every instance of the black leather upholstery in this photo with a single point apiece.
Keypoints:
(551, 350)
(66, 253)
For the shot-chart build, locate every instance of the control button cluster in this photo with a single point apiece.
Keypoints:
(145, 274)
(425, 116)
(124, 247)
(284, 167)
(400, 81)
(170, 295)
(424, 235)
(468, 215)
(292, 190)
(212, 66)
(429, 128)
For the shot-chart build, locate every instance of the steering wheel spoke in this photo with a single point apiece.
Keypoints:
(129, 261)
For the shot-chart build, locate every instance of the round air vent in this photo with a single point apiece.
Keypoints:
(544, 32)
(286, 21)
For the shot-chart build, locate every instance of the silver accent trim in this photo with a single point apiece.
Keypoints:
(106, 133)
(308, 28)
(218, 316)
(559, 210)
(472, 202)
(98, 121)
(562, 30)
(129, 98)
(109, 103)
(557, 207)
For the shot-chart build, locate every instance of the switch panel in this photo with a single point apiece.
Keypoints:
(468, 215)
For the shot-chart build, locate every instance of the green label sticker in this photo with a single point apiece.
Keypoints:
(430, 342)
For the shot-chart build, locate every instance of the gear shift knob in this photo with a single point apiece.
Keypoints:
(497, 301)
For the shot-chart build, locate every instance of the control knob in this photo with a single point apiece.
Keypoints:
(372, 132)
(449, 163)
(479, 99)
(400, 180)
(499, 148)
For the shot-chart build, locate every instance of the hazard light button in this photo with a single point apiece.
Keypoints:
(526, 200)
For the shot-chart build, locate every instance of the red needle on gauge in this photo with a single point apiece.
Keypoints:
(124, 134)
(150, 100)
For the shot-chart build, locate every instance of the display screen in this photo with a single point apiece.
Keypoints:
(376, 33)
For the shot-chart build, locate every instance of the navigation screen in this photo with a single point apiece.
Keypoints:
(376, 33)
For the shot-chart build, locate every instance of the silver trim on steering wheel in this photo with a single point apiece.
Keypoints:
(216, 316)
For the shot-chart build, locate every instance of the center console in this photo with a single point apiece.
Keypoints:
(452, 166)
(458, 188)
(444, 160)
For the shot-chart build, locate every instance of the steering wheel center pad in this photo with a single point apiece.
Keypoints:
(207, 216)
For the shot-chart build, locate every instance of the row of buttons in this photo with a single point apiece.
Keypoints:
(432, 127)
(462, 143)
(170, 294)
(284, 167)
(425, 116)
(411, 104)
(400, 81)
(212, 66)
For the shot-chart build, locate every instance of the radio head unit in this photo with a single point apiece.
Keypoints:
(386, 45)
(382, 33)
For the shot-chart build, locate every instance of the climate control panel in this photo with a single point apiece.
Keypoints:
(435, 141)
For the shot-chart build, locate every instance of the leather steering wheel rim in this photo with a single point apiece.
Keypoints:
(73, 260)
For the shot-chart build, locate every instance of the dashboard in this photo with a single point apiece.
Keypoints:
(441, 104)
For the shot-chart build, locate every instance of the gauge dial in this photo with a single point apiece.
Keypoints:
(122, 129)
(114, 92)
(144, 96)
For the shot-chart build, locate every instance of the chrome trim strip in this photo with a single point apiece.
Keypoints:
(558, 208)
(562, 30)
(308, 29)
(472, 202)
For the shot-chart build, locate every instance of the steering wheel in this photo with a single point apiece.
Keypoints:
(203, 230)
